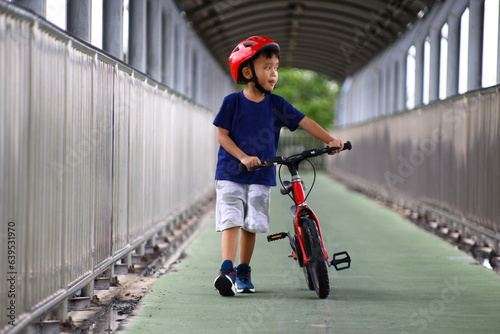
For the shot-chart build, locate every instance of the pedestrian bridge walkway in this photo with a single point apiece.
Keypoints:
(403, 279)
(101, 151)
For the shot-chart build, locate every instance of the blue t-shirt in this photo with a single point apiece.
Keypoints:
(255, 128)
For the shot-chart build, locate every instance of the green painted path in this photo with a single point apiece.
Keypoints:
(402, 280)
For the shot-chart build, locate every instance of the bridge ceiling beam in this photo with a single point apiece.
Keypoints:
(334, 38)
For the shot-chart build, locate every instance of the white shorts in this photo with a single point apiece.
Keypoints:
(242, 205)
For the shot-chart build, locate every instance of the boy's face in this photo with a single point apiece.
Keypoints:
(266, 70)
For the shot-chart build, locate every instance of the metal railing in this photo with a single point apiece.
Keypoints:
(95, 159)
(445, 158)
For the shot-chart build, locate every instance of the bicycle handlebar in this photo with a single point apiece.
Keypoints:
(270, 162)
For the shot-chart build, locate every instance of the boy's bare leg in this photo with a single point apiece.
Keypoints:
(247, 244)
(229, 243)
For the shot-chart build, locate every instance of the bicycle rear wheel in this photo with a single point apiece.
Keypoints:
(316, 270)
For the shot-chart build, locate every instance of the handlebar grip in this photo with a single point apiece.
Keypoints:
(242, 167)
(347, 146)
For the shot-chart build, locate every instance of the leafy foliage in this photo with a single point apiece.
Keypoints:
(311, 93)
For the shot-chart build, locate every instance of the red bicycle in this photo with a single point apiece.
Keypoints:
(307, 244)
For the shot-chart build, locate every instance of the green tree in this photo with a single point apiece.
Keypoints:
(311, 93)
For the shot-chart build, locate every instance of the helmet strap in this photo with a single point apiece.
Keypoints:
(256, 81)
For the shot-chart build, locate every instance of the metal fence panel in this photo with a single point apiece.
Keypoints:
(95, 158)
(14, 151)
(46, 138)
(102, 147)
(75, 169)
(122, 104)
(446, 155)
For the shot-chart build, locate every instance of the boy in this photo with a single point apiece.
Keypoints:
(248, 128)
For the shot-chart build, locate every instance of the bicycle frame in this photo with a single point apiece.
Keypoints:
(302, 209)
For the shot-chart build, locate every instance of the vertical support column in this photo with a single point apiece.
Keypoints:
(453, 55)
(112, 35)
(62, 311)
(391, 85)
(367, 87)
(382, 90)
(179, 58)
(141, 250)
(37, 6)
(137, 35)
(197, 77)
(498, 57)
(152, 241)
(476, 19)
(435, 35)
(375, 94)
(188, 82)
(388, 90)
(110, 273)
(79, 15)
(88, 290)
(154, 39)
(166, 45)
(419, 72)
(402, 69)
(354, 102)
(128, 260)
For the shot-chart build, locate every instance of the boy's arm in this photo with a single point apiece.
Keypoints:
(317, 131)
(231, 147)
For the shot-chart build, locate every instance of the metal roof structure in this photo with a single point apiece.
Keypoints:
(334, 38)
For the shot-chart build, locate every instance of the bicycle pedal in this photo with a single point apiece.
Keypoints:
(277, 236)
(345, 259)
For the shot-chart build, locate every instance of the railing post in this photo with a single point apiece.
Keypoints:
(62, 311)
(88, 290)
(128, 260)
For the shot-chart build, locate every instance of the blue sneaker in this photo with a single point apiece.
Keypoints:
(225, 282)
(244, 279)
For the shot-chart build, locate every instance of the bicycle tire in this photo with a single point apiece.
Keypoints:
(309, 279)
(298, 252)
(317, 269)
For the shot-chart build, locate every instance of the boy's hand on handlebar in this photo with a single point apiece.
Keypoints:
(250, 161)
(336, 143)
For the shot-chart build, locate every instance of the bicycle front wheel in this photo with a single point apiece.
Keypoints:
(317, 270)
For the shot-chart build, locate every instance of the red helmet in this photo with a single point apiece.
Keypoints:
(245, 51)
